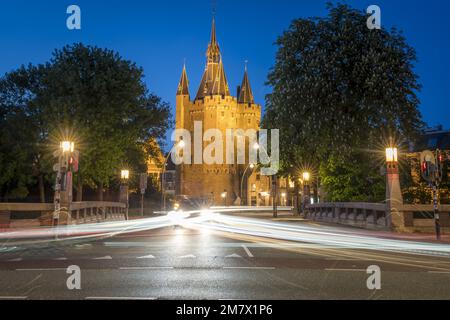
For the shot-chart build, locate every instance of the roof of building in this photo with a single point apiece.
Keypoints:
(431, 139)
(246, 94)
(183, 86)
(214, 80)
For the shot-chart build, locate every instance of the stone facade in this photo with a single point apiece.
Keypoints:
(215, 108)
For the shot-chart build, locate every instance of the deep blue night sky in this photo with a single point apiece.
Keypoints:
(159, 35)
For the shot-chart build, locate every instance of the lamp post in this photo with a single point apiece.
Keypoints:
(394, 198)
(250, 166)
(306, 191)
(63, 182)
(124, 194)
(181, 144)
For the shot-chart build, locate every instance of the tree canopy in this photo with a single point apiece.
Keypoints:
(87, 94)
(339, 90)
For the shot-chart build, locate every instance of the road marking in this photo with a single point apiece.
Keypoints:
(189, 256)
(147, 257)
(127, 244)
(42, 269)
(345, 259)
(120, 298)
(103, 258)
(251, 268)
(247, 251)
(440, 272)
(234, 255)
(60, 259)
(356, 270)
(83, 246)
(144, 268)
(13, 298)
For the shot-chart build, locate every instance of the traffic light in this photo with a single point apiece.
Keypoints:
(440, 160)
(426, 170)
(428, 166)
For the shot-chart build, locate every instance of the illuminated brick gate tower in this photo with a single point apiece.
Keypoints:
(216, 108)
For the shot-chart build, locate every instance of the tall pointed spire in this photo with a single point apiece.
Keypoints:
(214, 80)
(213, 31)
(220, 86)
(183, 86)
(213, 52)
(246, 94)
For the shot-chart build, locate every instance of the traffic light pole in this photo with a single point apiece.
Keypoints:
(432, 166)
(436, 212)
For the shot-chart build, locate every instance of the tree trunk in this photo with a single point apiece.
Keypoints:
(100, 191)
(79, 189)
(41, 188)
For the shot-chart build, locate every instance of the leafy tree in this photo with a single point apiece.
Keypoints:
(352, 179)
(19, 135)
(96, 98)
(339, 88)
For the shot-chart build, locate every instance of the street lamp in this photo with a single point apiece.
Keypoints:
(63, 182)
(251, 166)
(306, 191)
(124, 197)
(180, 144)
(306, 177)
(67, 146)
(391, 155)
(125, 174)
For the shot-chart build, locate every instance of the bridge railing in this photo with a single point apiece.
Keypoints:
(420, 217)
(41, 214)
(365, 215)
(84, 212)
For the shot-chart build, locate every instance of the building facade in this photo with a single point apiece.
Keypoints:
(216, 108)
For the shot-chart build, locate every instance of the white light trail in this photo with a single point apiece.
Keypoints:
(214, 219)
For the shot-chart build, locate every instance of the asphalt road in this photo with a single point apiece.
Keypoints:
(203, 263)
